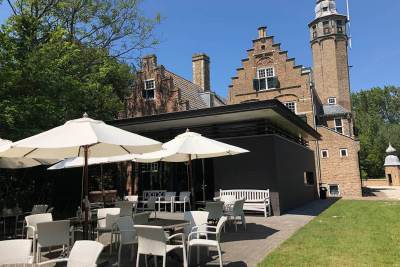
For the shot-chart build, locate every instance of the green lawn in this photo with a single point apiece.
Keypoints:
(349, 233)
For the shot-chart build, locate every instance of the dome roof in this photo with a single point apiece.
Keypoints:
(392, 160)
(325, 8)
(390, 149)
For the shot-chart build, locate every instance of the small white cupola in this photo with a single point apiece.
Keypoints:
(325, 8)
(391, 158)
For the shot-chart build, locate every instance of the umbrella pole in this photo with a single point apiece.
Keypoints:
(190, 175)
(102, 186)
(204, 180)
(86, 171)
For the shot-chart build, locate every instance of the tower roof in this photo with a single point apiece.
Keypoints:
(390, 149)
(325, 8)
(392, 160)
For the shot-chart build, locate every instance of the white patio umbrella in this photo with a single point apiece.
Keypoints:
(85, 138)
(19, 163)
(188, 146)
(80, 161)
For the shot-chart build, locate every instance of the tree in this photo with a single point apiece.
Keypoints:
(59, 59)
(377, 115)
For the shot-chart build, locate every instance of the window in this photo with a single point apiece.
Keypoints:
(327, 28)
(325, 9)
(149, 167)
(314, 31)
(291, 106)
(309, 178)
(149, 87)
(324, 153)
(332, 100)
(343, 152)
(339, 25)
(334, 190)
(338, 125)
(265, 79)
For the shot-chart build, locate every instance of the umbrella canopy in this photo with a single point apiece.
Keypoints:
(80, 161)
(68, 140)
(189, 146)
(82, 137)
(19, 163)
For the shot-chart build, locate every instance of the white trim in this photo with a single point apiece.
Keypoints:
(337, 126)
(329, 190)
(334, 100)
(265, 78)
(343, 149)
(291, 102)
(327, 153)
(149, 89)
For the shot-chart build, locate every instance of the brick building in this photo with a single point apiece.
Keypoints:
(320, 96)
(157, 90)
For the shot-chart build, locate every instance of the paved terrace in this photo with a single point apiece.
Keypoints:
(242, 248)
(239, 249)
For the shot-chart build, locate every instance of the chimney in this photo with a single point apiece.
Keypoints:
(262, 32)
(149, 62)
(201, 71)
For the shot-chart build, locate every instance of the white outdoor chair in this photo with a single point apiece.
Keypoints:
(228, 202)
(134, 199)
(125, 207)
(153, 241)
(141, 218)
(84, 253)
(17, 251)
(195, 240)
(184, 197)
(215, 210)
(127, 235)
(107, 218)
(150, 205)
(37, 209)
(195, 218)
(237, 212)
(31, 222)
(168, 199)
(55, 233)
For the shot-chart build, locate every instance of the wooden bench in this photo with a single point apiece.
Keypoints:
(255, 200)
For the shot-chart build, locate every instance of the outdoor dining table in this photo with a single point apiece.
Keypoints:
(168, 225)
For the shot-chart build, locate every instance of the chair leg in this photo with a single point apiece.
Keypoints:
(185, 264)
(244, 222)
(235, 222)
(220, 256)
(119, 254)
(137, 260)
(111, 243)
(188, 255)
(184, 206)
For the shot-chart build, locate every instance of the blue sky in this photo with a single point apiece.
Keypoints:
(224, 29)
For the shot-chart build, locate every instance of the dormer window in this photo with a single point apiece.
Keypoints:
(265, 79)
(149, 87)
(332, 101)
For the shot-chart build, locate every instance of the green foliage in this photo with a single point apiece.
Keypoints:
(349, 233)
(377, 116)
(59, 59)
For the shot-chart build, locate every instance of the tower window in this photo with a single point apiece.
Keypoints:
(291, 106)
(327, 28)
(332, 100)
(314, 31)
(324, 153)
(265, 79)
(325, 9)
(149, 87)
(339, 25)
(338, 125)
(343, 152)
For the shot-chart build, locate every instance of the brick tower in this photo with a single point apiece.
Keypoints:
(329, 42)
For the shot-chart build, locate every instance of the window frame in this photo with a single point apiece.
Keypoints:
(266, 77)
(332, 98)
(327, 153)
(338, 126)
(343, 149)
(306, 180)
(150, 89)
(291, 102)
(338, 190)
